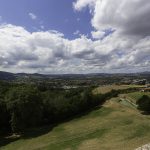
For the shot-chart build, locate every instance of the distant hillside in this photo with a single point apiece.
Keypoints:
(12, 76)
(6, 76)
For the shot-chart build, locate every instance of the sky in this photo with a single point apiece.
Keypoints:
(74, 36)
(46, 15)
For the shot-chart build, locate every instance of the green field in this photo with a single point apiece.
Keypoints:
(133, 97)
(137, 95)
(115, 126)
(108, 88)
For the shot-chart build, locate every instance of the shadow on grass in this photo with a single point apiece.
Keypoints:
(38, 131)
(145, 113)
(6, 140)
(35, 132)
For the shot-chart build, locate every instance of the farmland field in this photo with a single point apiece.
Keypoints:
(108, 88)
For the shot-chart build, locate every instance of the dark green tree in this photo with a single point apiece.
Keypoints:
(25, 106)
(144, 103)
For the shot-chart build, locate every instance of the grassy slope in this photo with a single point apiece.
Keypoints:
(113, 127)
(138, 95)
(134, 96)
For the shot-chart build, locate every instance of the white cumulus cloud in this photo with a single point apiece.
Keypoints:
(50, 52)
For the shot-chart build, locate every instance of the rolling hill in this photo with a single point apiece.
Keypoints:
(115, 126)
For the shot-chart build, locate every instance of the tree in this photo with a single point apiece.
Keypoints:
(144, 103)
(25, 106)
(4, 118)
